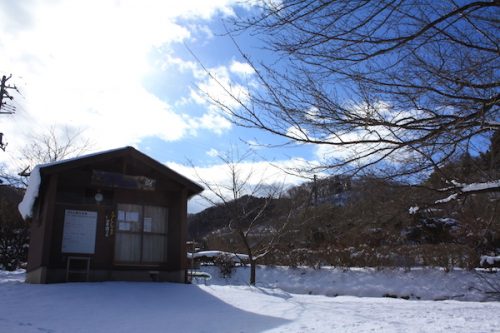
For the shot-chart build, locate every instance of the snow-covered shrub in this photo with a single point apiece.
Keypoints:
(226, 265)
(489, 261)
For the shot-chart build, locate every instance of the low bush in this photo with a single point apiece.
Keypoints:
(225, 264)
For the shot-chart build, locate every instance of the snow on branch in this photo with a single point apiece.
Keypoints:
(480, 187)
(460, 190)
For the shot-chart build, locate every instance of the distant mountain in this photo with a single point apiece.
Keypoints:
(218, 217)
(333, 190)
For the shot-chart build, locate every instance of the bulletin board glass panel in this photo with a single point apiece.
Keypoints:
(129, 217)
(141, 236)
(79, 231)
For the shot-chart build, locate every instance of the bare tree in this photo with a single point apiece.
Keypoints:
(53, 145)
(395, 88)
(9, 179)
(247, 201)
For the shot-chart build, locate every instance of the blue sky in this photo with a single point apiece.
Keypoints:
(120, 72)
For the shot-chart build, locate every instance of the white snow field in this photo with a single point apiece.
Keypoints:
(231, 306)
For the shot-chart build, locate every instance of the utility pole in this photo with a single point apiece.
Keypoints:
(4, 107)
(4, 93)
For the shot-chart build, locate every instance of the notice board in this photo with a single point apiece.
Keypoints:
(79, 231)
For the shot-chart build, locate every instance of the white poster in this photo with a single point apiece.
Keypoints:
(125, 226)
(132, 217)
(79, 231)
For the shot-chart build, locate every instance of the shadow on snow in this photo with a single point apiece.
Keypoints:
(122, 307)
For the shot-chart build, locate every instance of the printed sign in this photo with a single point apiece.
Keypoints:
(124, 226)
(79, 231)
(118, 180)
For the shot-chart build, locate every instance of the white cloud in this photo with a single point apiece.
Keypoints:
(258, 173)
(298, 133)
(312, 114)
(83, 63)
(347, 151)
(218, 87)
(206, 34)
(372, 142)
(214, 121)
(170, 60)
(241, 68)
(221, 88)
(213, 152)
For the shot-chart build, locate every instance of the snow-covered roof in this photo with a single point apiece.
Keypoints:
(25, 207)
(35, 180)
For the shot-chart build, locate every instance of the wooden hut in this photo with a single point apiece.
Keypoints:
(114, 215)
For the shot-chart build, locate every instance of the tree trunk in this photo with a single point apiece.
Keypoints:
(253, 264)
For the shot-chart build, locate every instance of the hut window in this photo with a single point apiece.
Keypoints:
(141, 236)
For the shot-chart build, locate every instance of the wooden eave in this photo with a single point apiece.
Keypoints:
(125, 152)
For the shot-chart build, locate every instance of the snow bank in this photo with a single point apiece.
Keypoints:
(489, 260)
(17, 276)
(417, 284)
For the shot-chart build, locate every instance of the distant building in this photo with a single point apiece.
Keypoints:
(114, 215)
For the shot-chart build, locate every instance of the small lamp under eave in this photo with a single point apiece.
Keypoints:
(98, 197)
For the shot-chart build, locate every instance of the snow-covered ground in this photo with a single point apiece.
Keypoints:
(417, 284)
(232, 306)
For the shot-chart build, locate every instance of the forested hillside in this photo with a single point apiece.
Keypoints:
(369, 221)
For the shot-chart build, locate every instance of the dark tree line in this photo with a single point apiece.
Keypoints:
(14, 235)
